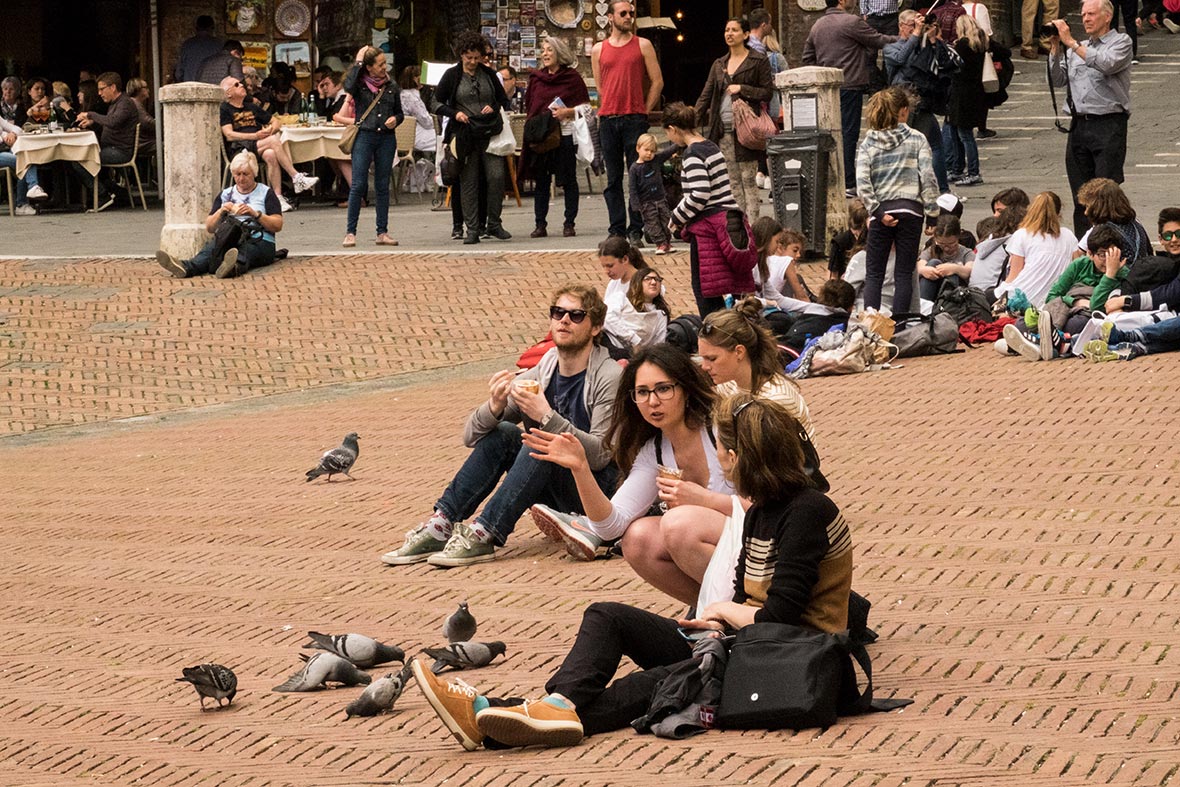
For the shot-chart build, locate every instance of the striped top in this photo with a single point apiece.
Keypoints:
(704, 180)
(796, 562)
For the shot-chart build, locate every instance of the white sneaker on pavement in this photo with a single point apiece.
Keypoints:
(286, 206)
(25, 210)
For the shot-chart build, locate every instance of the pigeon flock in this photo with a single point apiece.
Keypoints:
(343, 658)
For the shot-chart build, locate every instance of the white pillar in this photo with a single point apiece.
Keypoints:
(824, 84)
(192, 163)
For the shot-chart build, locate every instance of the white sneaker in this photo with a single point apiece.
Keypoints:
(1171, 26)
(760, 180)
(303, 182)
(1001, 346)
(286, 206)
(1021, 343)
(25, 210)
(36, 194)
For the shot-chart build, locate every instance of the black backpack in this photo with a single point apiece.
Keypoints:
(1150, 272)
(963, 303)
(683, 331)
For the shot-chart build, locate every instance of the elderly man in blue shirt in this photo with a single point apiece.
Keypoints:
(1096, 73)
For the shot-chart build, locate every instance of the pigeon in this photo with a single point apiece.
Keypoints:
(321, 668)
(338, 460)
(360, 650)
(460, 626)
(212, 680)
(464, 655)
(380, 695)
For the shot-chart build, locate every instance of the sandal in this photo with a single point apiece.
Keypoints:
(384, 240)
(349, 241)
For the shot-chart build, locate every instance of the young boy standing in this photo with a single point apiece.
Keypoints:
(646, 190)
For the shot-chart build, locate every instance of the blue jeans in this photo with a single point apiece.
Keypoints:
(617, 135)
(1160, 337)
(253, 252)
(527, 481)
(958, 143)
(851, 104)
(371, 148)
(927, 123)
(8, 161)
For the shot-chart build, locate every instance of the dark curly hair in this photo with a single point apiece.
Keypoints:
(471, 41)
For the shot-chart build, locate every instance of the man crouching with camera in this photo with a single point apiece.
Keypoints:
(243, 223)
(1097, 76)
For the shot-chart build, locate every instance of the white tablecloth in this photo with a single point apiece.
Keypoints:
(313, 142)
(80, 146)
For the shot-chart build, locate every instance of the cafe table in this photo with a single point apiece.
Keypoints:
(43, 147)
(308, 143)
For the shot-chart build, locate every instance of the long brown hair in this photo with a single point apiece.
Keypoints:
(635, 293)
(765, 439)
(766, 229)
(629, 430)
(744, 325)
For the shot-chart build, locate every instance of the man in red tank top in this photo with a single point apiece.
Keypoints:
(619, 64)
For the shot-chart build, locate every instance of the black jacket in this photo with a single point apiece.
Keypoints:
(444, 95)
(390, 106)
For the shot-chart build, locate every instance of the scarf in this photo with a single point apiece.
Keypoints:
(374, 84)
(566, 84)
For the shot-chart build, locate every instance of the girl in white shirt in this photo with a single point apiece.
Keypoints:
(661, 423)
(777, 250)
(1039, 251)
(619, 260)
(642, 318)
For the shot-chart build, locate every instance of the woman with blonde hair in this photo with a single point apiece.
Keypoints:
(895, 180)
(1038, 251)
(966, 108)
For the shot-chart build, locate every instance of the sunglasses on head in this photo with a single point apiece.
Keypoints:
(738, 411)
(708, 329)
(576, 315)
(1170, 235)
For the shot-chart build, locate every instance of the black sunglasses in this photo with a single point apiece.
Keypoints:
(624, 13)
(576, 315)
(1170, 235)
(708, 329)
(738, 411)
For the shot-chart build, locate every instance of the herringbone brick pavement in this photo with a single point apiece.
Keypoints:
(1015, 528)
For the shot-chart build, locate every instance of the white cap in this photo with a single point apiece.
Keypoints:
(948, 202)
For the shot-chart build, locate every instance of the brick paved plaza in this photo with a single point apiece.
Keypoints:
(1014, 528)
(1014, 523)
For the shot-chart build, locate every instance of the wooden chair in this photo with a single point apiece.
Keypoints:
(133, 165)
(516, 123)
(405, 155)
(11, 192)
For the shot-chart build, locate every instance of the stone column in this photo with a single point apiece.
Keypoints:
(824, 84)
(192, 163)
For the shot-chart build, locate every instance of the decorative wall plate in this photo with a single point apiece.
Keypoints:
(564, 13)
(292, 18)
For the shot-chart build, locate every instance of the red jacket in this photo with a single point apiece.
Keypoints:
(723, 268)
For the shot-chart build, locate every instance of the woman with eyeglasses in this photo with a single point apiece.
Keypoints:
(794, 566)
(661, 440)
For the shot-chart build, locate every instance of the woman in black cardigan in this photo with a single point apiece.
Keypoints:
(376, 143)
(470, 96)
(740, 73)
(967, 107)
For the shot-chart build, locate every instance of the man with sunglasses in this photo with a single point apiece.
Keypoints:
(574, 387)
(1164, 266)
(620, 64)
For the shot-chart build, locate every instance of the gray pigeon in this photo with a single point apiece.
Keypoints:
(460, 626)
(338, 460)
(321, 668)
(212, 680)
(360, 650)
(464, 655)
(380, 695)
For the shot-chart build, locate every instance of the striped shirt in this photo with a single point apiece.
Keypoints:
(704, 179)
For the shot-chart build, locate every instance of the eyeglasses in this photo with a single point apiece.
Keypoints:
(663, 392)
(624, 13)
(558, 314)
(1170, 235)
(1101, 254)
(738, 411)
(659, 280)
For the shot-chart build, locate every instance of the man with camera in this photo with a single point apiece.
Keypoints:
(1096, 75)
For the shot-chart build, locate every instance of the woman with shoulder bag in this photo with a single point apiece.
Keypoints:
(740, 74)
(378, 110)
(556, 80)
(794, 567)
(471, 96)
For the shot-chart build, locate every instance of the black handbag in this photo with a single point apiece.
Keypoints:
(811, 463)
(227, 234)
(542, 133)
(782, 676)
(448, 168)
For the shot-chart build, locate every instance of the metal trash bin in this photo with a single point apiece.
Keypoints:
(798, 164)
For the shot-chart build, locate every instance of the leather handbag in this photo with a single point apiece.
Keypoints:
(782, 676)
(752, 128)
(348, 138)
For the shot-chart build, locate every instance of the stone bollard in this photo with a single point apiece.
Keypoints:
(824, 85)
(192, 164)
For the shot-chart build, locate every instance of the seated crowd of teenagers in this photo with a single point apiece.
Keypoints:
(682, 445)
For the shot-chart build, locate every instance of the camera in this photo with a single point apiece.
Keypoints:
(1049, 31)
